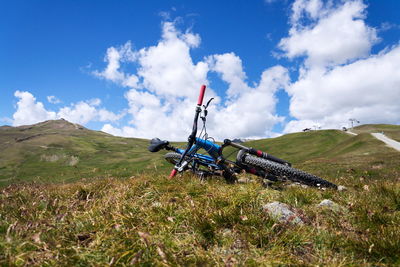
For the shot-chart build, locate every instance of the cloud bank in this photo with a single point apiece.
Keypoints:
(30, 111)
(161, 102)
(339, 78)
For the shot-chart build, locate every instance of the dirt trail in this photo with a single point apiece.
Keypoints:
(380, 136)
(348, 132)
(388, 141)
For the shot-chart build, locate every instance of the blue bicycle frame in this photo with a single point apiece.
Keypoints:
(211, 148)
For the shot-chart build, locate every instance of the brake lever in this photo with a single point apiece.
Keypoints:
(208, 103)
(205, 109)
(203, 118)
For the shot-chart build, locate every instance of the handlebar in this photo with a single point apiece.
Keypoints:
(192, 136)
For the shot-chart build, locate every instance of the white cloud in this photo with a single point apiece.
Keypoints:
(367, 89)
(53, 100)
(340, 79)
(312, 9)
(230, 67)
(162, 103)
(333, 36)
(248, 111)
(167, 69)
(114, 58)
(94, 102)
(30, 111)
(84, 112)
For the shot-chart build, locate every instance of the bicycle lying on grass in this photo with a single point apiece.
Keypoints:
(248, 159)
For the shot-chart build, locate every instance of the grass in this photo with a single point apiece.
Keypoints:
(151, 220)
(146, 219)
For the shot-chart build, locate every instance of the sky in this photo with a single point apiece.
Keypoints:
(134, 68)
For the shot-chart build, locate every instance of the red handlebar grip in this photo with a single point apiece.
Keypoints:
(201, 96)
(173, 173)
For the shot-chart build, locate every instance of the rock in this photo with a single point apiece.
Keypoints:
(296, 184)
(327, 203)
(156, 204)
(341, 188)
(226, 232)
(244, 180)
(282, 213)
(73, 161)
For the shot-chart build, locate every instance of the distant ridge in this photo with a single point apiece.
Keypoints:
(52, 124)
(5, 127)
(58, 150)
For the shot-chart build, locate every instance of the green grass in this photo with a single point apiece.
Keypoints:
(116, 206)
(152, 220)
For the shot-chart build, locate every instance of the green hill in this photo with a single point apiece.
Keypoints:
(328, 144)
(297, 147)
(58, 151)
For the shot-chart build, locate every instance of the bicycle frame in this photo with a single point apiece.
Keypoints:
(211, 148)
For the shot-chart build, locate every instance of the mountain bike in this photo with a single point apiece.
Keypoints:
(247, 160)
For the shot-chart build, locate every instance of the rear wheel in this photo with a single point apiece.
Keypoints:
(287, 172)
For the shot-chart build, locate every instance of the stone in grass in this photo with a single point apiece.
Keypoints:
(327, 203)
(282, 213)
(297, 184)
(245, 180)
(341, 188)
(156, 204)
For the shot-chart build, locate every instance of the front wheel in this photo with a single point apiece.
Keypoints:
(290, 173)
(173, 158)
(201, 168)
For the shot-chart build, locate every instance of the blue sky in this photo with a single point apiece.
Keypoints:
(58, 48)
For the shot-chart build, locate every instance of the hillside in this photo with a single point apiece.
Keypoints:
(60, 151)
(297, 147)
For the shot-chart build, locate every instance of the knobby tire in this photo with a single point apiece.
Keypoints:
(172, 157)
(290, 173)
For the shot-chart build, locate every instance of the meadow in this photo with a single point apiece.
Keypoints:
(128, 212)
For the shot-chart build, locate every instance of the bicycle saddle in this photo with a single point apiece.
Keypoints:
(156, 145)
